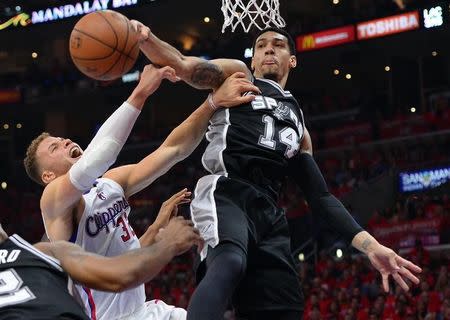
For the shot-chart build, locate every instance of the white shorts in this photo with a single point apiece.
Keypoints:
(156, 310)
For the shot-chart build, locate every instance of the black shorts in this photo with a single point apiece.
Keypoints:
(235, 211)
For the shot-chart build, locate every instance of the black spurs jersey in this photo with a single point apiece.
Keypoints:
(255, 141)
(33, 285)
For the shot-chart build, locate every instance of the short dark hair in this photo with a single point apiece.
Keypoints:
(291, 42)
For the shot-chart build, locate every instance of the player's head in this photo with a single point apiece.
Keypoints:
(273, 54)
(49, 157)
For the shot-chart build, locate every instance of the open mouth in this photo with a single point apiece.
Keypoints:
(75, 152)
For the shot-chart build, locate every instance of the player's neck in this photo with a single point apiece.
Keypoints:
(281, 82)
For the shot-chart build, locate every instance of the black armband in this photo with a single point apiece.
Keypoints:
(323, 204)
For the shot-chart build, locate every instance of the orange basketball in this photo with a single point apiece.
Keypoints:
(103, 45)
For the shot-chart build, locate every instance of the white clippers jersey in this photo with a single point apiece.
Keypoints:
(104, 229)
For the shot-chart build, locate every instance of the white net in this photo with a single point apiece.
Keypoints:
(247, 13)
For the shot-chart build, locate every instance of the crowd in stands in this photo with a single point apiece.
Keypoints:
(351, 289)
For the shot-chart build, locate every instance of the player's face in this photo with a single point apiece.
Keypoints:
(272, 58)
(55, 156)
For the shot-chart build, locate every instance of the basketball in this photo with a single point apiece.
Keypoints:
(103, 45)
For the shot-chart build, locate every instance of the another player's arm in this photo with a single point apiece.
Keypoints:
(128, 270)
(197, 72)
(183, 140)
(62, 194)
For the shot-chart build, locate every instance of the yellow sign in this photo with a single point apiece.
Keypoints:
(308, 42)
(22, 18)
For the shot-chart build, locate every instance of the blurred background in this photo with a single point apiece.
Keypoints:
(373, 81)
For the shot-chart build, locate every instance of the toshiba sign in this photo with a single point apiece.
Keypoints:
(389, 25)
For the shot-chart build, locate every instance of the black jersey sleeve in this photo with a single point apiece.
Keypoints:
(328, 208)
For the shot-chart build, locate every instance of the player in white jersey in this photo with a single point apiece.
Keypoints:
(75, 203)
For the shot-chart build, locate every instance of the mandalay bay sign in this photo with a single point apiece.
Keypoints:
(64, 11)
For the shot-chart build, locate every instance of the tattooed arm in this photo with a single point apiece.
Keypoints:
(197, 72)
(363, 241)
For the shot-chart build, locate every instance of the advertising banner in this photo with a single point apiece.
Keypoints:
(433, 17)
(388, 25)
(423, 179)
(64, 11)
(326, 38)
(404, 234)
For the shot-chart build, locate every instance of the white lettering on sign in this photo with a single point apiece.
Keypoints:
(389, 25)
(77, 9)
(433, 17)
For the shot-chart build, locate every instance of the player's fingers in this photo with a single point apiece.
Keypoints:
(175, 196)
(246, 99)
(397, 277)
(385, 280)
(135, 25)
(171, 75)
(408, 264)
(238, 75)
(249, 87)
(165, 71)
(182, 198)
(406, 273)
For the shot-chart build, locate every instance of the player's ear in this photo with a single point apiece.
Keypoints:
(293, 61)
(48, 176)
(252, 66)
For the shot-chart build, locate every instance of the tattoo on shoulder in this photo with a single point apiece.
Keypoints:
(207, 75)
(366, 243)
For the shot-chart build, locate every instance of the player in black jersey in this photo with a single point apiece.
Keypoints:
(34, 279)
(251, 149)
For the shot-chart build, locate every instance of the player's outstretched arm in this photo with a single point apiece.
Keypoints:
(130, 269)
(62, 193)
(197, 72)
(309, 177)
(183, 140)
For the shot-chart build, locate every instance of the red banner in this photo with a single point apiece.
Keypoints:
(388, 25)
(327, 38)
(406, 126)
(404, 234)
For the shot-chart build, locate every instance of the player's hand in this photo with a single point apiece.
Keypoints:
(169, 208)
(151, 78)
(180, 235)
(142, 29)
(388, 263)
(230, 93)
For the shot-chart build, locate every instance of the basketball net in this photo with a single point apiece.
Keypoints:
(247, 13)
